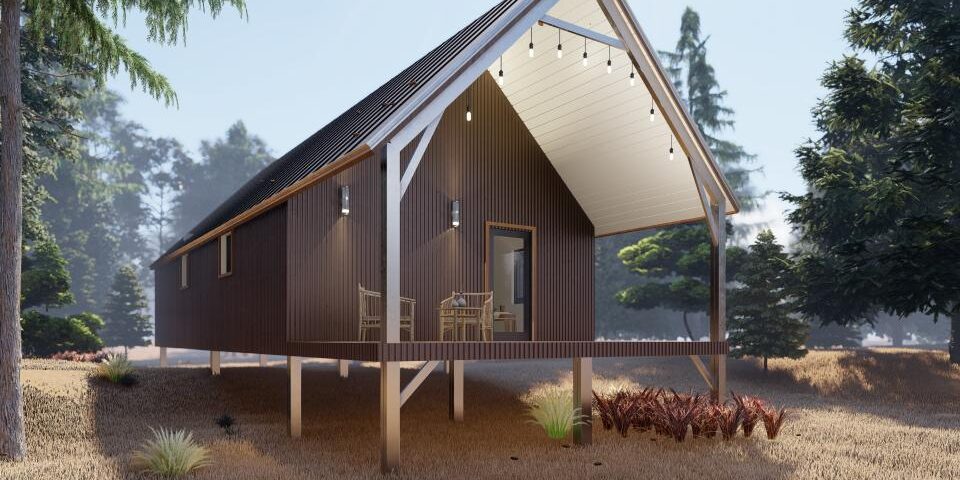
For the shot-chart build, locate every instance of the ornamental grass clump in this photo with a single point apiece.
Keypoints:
(553, 410)
(171, 454)
(751, 409)
(676, 413)
(773, 421)
(117, 369)
(617, 411)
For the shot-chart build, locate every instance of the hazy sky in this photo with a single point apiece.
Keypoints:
(287, 71)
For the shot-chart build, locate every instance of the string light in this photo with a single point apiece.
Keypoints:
(469, 114)
(559, 45)
(652, 111)
(585, 61)
(530, 51)
(633, 80)
(671, 148)
(609, 61)
(500, 75)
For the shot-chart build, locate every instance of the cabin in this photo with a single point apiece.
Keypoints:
(451, 215)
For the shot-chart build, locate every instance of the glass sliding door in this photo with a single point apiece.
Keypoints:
(510, 278)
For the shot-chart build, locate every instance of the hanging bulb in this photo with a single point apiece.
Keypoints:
(633, 81)
(500, 75)
(469, 115)
(559, 45)
(671, 148)
(530, 51)
(585, 61)
(652, 115)
(609, 61)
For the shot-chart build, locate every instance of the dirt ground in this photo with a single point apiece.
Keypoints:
(856, 414)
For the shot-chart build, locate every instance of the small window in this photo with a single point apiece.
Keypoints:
(226, 254)
(184, 276)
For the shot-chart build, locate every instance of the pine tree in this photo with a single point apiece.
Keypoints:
(762, 322)
(126, 323)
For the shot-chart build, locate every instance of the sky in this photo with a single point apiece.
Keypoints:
(286, 72)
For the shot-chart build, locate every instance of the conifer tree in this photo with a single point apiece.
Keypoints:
(762, 322)
(126, 321)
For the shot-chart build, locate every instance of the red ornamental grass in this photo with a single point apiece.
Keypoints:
(616, 411)
(751, 409)
(648, 401)
(773, 421)
(706, 421)
(676, 413)
(730, 419)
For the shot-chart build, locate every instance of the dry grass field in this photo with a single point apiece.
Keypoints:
(854, 414)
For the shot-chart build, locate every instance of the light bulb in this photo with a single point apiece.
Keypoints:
(530, 51)
(469, 115)
(559, 51)
(585, 61)
(500, 78)
(652, 116)
(633, 80)
(671, 154)
(609, 67)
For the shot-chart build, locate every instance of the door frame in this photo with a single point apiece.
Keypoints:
(487, 227)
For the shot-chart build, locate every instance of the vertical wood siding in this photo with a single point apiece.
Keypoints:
(499, 173)
(242, 312)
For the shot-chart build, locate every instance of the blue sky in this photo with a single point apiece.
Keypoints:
(287, 71)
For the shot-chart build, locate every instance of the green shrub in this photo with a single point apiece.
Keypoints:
(45, 335)
(553, 410)
(171, 454)
(117, 369)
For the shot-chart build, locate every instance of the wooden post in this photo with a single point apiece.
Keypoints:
(389, 416)
(718, 298)
(455, 377)
(583, 399)
(163, 357)
(294, 367)
(343, 367)
(214, 362)
(263, 360)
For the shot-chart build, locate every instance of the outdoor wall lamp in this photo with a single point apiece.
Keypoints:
(344, 200)
(455, 213)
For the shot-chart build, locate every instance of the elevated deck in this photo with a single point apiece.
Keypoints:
(423, 351)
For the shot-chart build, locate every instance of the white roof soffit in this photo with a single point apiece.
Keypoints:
(595, 127)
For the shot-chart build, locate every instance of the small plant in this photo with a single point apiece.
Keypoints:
(647, 401)
(171, 454)
(117, 369)
(751, 409)
(676, 413)
(730, 419)
(553, 410)
(227, 423)
(617, 411)
(773, 420)
(707, 420)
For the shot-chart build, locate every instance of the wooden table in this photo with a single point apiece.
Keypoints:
(459, 314)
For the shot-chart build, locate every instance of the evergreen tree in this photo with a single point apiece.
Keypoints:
(832, 335)
(675, 261)
(126, 322)
(77, 30)
(46, 282)
(226, 164)
(762, 322)
(882, 215)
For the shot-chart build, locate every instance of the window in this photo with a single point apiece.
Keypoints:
(184, 276)
(226, 254)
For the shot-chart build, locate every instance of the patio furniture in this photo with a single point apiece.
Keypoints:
(371, 312)
(477, 312)
(507, 319)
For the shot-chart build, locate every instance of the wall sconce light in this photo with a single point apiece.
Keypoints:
(455, 213)
(344, 200)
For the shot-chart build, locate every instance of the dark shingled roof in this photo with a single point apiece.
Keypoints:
(347, 131)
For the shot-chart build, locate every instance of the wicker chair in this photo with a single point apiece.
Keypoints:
(481, 322)
(371, 311)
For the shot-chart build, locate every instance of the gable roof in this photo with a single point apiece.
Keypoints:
(616, 178)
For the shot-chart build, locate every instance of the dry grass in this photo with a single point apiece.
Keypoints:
(866, 414)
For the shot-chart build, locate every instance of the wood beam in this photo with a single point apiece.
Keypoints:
(698, 363)
(718, 300)
(343, 368)
(583, 399)
(390, 177)
(294, 369)
(262, 360)
(418, 155)
(456, 390)
(417, 380)
(582, 31)
(389, 416)
(163, 357)
(214, 362)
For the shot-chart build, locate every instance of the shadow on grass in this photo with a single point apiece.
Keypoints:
(341, 429)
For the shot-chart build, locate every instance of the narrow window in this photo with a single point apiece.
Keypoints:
(184, 277)
(226, 254)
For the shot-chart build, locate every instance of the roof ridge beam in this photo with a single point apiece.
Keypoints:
(582, 31)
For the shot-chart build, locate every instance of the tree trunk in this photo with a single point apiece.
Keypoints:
(955, 339)
(12, 441)
(686, 325)
(897, 335)
(764, 365)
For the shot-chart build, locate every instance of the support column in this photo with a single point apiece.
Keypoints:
(389, 416)
(294, 367)
(343, 367)
(718, 298)
(583, 399)
(214, 362)
(455, 376)
(163, 358)
(263, 360)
